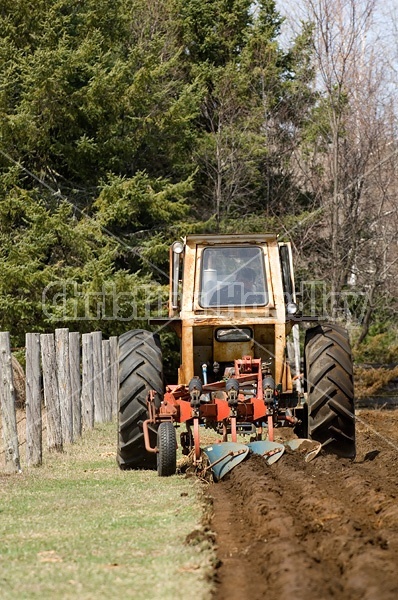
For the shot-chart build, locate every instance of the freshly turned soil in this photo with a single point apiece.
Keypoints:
(322, 530)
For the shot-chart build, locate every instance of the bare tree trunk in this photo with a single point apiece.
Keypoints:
(368, 314)
(335, 218)
(218, 190)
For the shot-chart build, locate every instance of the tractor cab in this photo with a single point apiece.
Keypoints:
(229, 299)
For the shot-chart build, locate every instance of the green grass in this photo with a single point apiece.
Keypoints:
(78, 527)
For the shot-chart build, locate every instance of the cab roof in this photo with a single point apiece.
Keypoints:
(236, 238)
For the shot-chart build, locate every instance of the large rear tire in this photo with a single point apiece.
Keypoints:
(140, 370)
(167, 449)
(330, 389)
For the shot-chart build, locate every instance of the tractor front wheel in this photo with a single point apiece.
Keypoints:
(330, 389)
(167, 449)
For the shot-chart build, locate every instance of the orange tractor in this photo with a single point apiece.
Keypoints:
(232, 304)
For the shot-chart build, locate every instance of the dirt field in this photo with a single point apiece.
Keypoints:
(312, 531)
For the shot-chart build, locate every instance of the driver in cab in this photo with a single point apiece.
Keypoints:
(241, 292)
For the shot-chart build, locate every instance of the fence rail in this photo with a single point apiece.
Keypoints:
(75, 377)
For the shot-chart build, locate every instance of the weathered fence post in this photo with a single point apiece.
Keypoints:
(106, 362)
(64, 386)
(34, 435)
(99, 408)
(54, 430)
(7, 406)
(75, 380)
(87, 381)
(114, 373)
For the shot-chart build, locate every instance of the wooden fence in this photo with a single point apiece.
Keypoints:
(71, 384)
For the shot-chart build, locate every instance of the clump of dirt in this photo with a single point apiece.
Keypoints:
(325, 529)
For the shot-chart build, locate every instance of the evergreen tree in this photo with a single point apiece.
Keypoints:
(92, 88)
(96, 111)
(150, 120)
(257, 97)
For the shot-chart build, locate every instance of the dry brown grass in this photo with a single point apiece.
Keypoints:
(369, 382)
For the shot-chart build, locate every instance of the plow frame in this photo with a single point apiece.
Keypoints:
(223, 413)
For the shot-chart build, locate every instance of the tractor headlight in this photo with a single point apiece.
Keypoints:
(178, 247)
(291, 308)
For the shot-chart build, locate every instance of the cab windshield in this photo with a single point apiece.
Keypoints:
(233, 276)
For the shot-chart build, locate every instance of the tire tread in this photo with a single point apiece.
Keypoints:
(140, 367)
(167, 449)
(330, 389)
